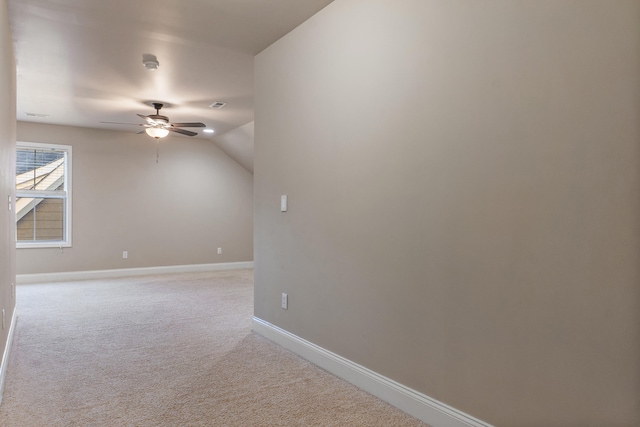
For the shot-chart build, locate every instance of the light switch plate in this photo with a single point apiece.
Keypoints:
(283, 203)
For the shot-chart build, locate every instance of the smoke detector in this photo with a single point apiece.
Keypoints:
(150, 62)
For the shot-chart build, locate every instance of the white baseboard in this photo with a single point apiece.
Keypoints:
(416, 404)
(124, 272)
(4, 362)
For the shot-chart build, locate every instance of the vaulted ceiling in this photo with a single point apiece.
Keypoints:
(79, 62)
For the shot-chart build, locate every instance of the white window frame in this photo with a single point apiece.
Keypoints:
(66, 240)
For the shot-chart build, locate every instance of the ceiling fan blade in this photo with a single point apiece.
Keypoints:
(189, 125)
(119, 123)
(148, 119)
(182, 131)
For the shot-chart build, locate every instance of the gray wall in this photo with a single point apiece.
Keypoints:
(7, 172)
(463, 200)
(175, 212)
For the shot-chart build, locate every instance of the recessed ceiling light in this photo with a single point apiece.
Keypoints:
(208, 130)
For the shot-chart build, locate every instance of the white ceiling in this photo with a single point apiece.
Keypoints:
(79, 62)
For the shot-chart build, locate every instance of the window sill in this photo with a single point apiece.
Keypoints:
(42, 245)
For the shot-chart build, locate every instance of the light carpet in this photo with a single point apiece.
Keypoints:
(166, 350)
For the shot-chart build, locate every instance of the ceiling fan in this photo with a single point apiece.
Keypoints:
(158, 126)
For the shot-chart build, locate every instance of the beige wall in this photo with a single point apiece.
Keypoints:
(238, 144)
(7, 173)
(463, 200)
(175, 212)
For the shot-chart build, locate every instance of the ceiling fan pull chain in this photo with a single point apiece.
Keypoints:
(157, 150)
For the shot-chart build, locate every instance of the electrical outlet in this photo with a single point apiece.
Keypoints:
(125, 254)
(219, 251)
(285, 301)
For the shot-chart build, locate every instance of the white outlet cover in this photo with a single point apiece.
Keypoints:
(285, 301)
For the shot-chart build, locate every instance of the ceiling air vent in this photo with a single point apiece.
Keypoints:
(39, 115)
(218, 105)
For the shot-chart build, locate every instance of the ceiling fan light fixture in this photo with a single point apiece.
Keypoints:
(157, 133)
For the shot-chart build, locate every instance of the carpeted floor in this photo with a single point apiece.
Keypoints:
(166, 350)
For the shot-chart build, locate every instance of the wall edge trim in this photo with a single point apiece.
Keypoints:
(416, 404)
(124, 272)
(5, 357)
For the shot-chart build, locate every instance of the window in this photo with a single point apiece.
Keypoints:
(43, 195)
